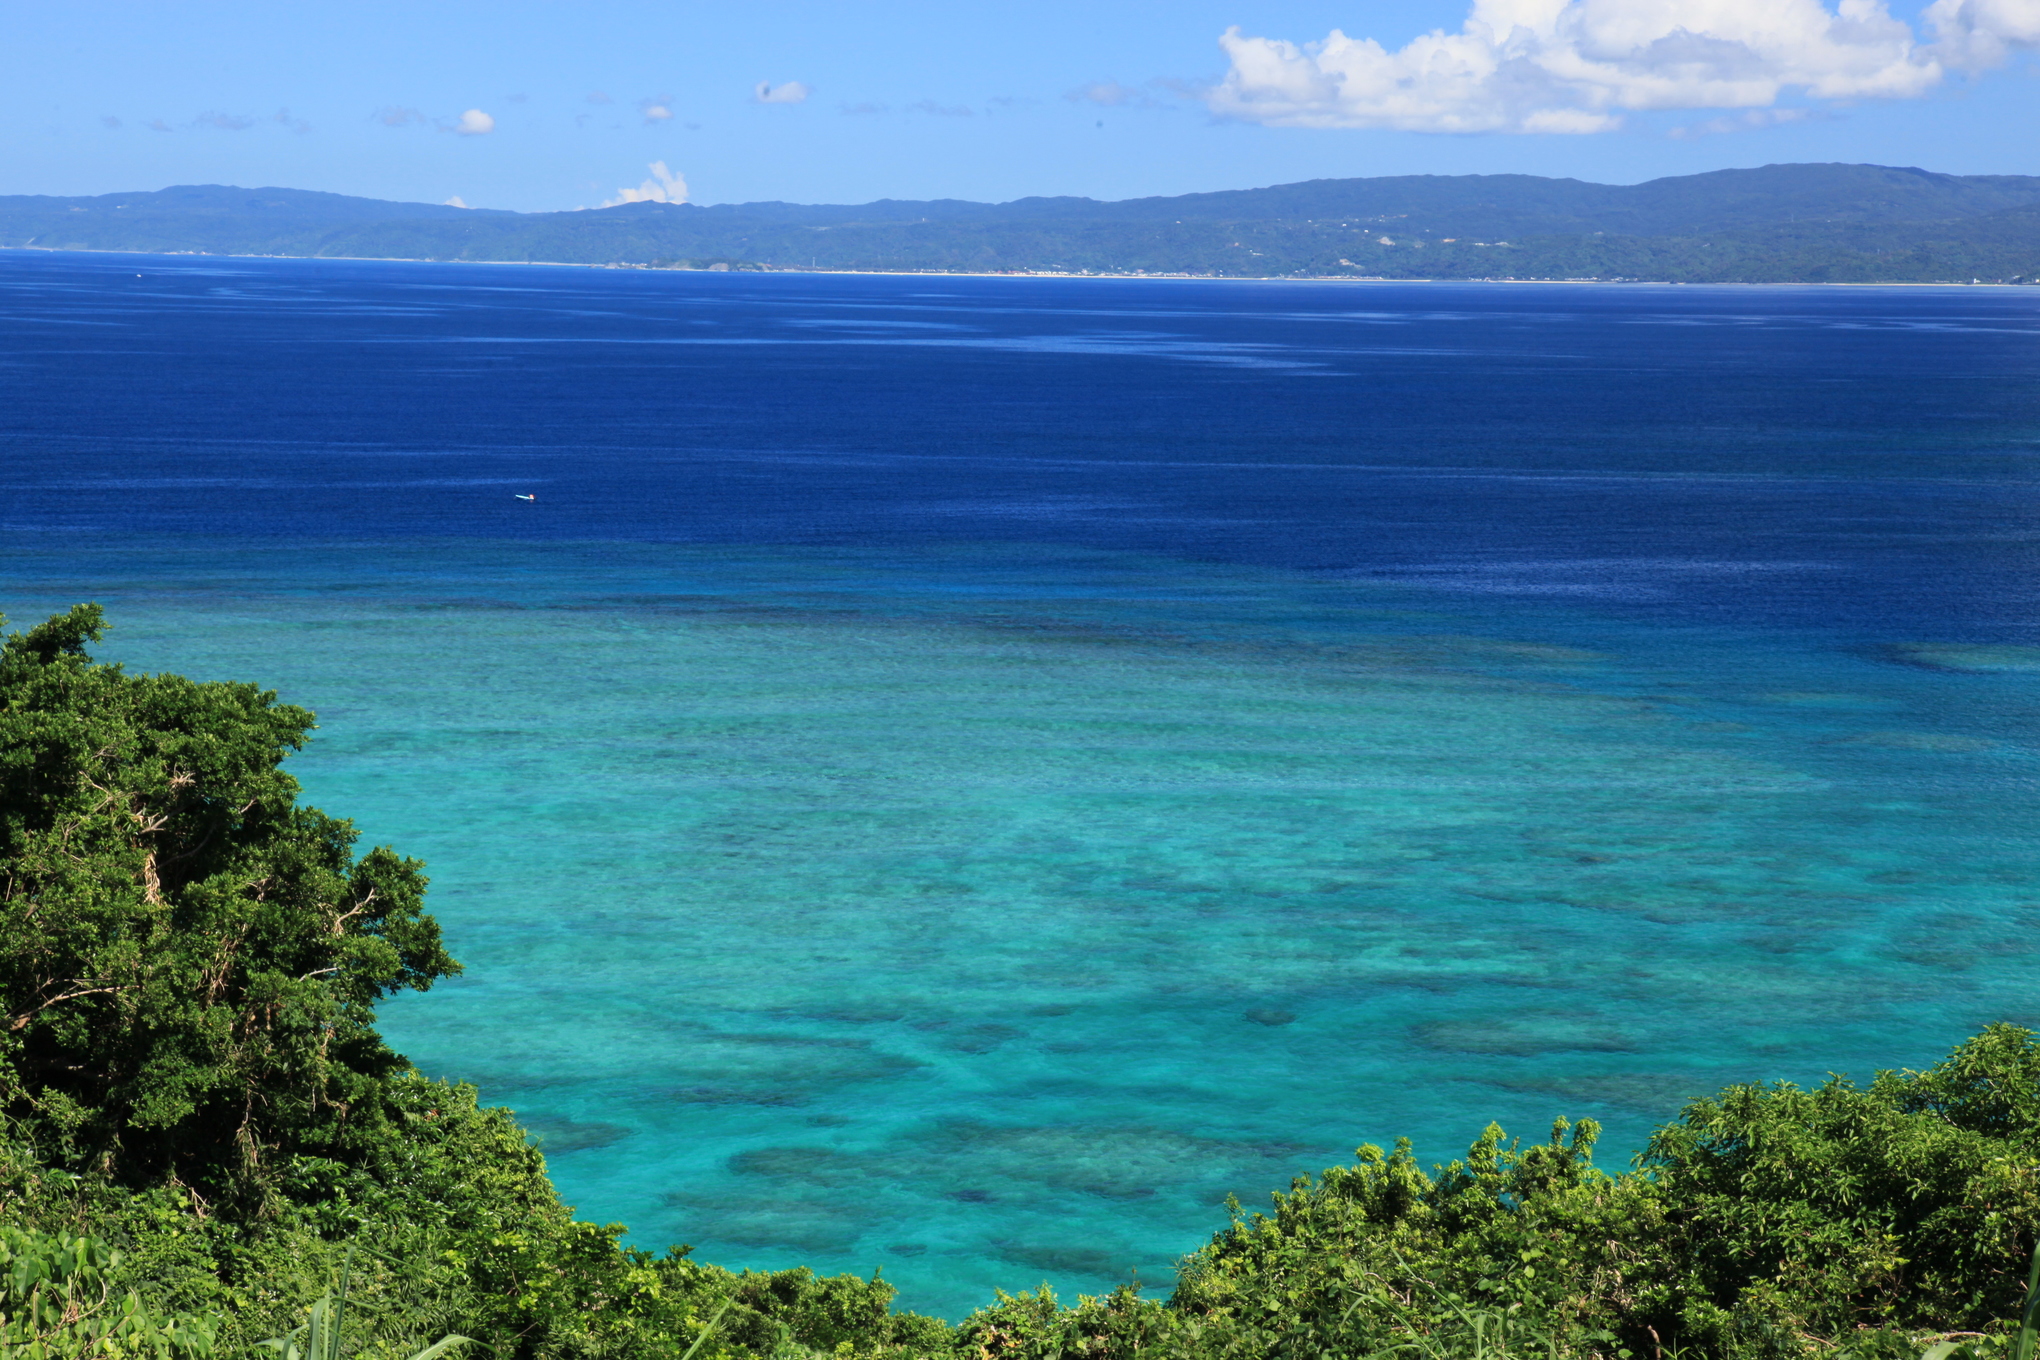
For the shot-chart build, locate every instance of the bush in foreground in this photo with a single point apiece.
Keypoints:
(199, 1123)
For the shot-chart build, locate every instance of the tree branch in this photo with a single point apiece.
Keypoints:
(20, 1021)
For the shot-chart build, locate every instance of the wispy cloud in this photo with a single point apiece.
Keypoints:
(224, 122)
(1749, 120)
(597, 97)
(792, 92)
(110, 121)
(1111, 94)
(657, 109)
(663, 187)
(474, 123)
(1577, 66)
(929, 106)
(395, 117)
(158, 125)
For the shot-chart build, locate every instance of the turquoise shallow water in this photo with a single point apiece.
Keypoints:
(956, 776)
(989, 917)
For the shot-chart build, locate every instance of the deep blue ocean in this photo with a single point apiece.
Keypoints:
(958, 775)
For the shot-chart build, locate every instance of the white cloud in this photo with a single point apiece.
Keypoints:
(1979, 33)
(1580, 65)
(454, 202)
(663, 187)
(474, 123)
(792, 92)
(656, 110)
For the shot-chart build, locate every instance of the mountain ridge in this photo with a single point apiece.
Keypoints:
(1775, 223)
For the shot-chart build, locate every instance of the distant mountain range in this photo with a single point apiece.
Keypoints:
(1777, 224)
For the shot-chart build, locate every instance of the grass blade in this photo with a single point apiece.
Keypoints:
(705, 1331)
(442, 1346)
(2029, 1318)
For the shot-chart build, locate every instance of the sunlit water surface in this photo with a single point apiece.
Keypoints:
(959, 776)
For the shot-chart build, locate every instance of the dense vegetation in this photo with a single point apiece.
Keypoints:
(204, 1142)
(1780, 223)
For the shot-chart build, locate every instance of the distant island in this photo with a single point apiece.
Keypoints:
(1775, 224)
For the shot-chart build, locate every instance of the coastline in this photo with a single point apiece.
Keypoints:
(1036, 273)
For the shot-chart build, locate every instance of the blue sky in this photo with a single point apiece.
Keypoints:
(547, 106)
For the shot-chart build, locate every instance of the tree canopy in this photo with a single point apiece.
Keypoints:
(189, 959)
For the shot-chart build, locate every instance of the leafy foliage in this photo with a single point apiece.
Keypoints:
(58, 1302)
(1761, 1218)
(188, 960)
(204, 1143)
(1913, 1201)
(190, 1072)
(323, 1336)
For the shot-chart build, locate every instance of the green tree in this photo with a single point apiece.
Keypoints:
(189, 960)
(1911, 1202)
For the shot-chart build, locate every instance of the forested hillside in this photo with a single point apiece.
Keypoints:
(1780, 223)
(205, 1143)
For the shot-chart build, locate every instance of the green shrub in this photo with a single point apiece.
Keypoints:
(1760, 1222)
(58, 1301)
